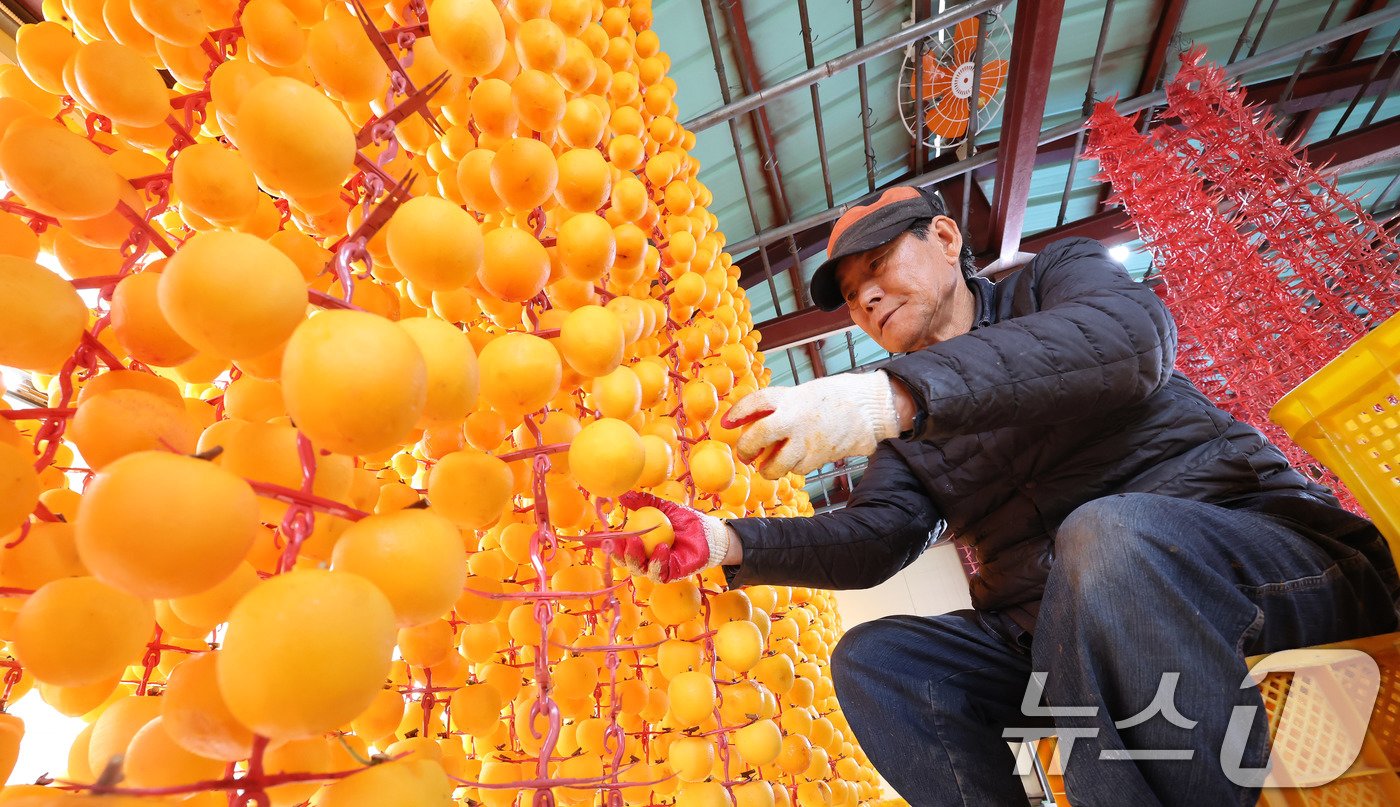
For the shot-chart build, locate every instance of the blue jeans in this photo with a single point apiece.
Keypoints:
(1141, 584)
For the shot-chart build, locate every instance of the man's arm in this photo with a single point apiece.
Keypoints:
(883, 528)
(1099, 341)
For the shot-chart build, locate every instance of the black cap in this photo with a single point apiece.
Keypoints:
(869, 225)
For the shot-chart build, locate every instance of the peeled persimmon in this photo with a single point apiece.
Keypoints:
(343, 60)
(154, 759)
(515, 266)
(208, 608)
(584, 180)
(712, 466)
(474, 181)
(116, 725)
(295, 138)
(160, 525)
(676, 602)
(617, 394)
(587, 246)
(195, 714)
(658, 529)
(354, 382)
(692, 697)
(110, 426)
(607, 457)
(272, 32)
(539, 100)
(524, 173)
(77, 631)
(11, 733)
(46, 554)
(470, 488)
(121, 84)
(404, 781)
(140, 325)
(582, 125)
(57, 172)
(216, 183)
(179, 22)
(42, 49)
(41, 316)
(305, 652)
(415, 557)
(434, 243)
(204, 293)
(492, 109)
(470, 35)
(519, 373)
(592, 341)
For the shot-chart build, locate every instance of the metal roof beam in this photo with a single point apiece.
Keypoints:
(1359, 148)
(1316, 88)
(1036, 32)
(1168, 23)
(802, 327)
(762, 127)
(1154, 63)
(1354, 150)
(712, 31)
(809, 242)
(978, 229)
(768, 152)
(1344, 53)
(1323, 87)
(829, 68)
(21, 12)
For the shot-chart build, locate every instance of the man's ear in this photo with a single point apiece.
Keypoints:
(949, 237)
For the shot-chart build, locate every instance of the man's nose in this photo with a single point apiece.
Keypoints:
(870, 296)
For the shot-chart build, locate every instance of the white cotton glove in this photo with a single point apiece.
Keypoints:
(804, 427)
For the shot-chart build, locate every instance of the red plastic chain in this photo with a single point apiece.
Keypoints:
(1269, 270)
(300, 518)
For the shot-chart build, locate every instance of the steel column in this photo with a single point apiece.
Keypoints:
(1036, 32)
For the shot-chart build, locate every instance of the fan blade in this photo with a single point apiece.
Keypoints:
(940, 83)
(993, 77)
(949, 118)
(938, 79)
(965, 40)
(926, 65)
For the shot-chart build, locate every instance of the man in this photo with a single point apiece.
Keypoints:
(1122, 526)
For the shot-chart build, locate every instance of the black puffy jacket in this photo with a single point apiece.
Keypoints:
(1063, 392)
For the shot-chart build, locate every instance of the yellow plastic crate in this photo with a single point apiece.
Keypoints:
(1373, 777)
(1347, 415)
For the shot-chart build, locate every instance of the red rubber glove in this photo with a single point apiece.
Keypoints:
(701, 541)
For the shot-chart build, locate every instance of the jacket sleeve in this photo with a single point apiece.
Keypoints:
(884, 527)
(1096, 341)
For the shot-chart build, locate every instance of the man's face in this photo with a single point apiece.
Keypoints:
(909, 293)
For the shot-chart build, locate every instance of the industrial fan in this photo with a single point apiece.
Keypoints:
(949, 69)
